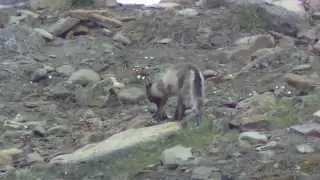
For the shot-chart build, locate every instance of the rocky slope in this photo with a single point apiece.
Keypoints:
(73, 105)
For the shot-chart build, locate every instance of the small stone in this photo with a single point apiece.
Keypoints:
(268, 146)
(131, 95)
(45, 34)
(250, 44)
(188, 12)
(39, 74)
(39, 131)
(207, 73)
(107, 32)
(119, 37)
(48, 68)
(305, 148)
(302, 67)
(253, 137)
(166, 5)
(65, 70)
(34, 158)
(29, 13)
(59, 131)
(30, 104)
(83, 77)
(52, 56)
(176, 156)
(317, 114)
(12, 125)
(310, 129)
(202, 173)
(165, 41)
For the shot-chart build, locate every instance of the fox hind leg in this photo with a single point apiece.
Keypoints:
(181, 108)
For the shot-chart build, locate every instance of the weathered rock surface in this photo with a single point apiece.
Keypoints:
(83, 77)
(175, 156)
(288, 23)
(118, 142)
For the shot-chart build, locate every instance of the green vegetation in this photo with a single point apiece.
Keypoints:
(130, 163)
(290, 111)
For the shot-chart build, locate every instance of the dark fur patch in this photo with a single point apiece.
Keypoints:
(198, 84)
(155, 100)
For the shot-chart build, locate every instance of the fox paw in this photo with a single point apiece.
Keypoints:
(160, 116)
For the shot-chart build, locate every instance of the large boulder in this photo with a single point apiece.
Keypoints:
(275, 18)
(19, 39)
(118, 143)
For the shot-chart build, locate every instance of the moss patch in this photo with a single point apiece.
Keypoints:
(290, 111)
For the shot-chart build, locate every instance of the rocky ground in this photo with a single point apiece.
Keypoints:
(70, 80)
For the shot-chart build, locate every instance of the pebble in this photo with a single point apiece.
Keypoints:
(165, 41)
(188, 12)
(45, 34)
(175, 156)
(305, 148)
(39, 131)
(39, 74)
(83, 77)
(65, 70)
(119, 37)
(253, 137)
(59, 131)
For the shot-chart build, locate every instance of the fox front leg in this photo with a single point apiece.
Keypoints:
(160, 114)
